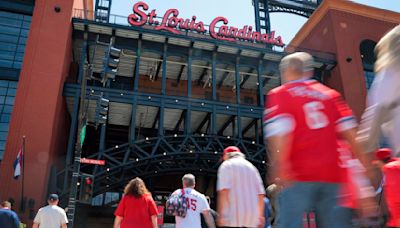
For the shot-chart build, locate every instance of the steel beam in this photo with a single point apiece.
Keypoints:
(176, 128)
(260, 84)
(238, 86)
(202, 76)
(153, 126)
(158, 70)
(180, 74)
(188, 119)
(221, 82)
(132, 129)
(163, 89)
(214, 92)
(226, 124)
(249, 126)
(204, 121)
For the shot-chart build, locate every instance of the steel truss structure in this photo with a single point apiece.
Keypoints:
(263, 8)
(177, 102)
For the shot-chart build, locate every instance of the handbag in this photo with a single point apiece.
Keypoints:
(176, 205)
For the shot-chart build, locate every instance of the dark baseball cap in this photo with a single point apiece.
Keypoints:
(53, 197)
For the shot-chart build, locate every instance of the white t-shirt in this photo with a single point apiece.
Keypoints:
(197, 203)
(244, 183)
(51, 216)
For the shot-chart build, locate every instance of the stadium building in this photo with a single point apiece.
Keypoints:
(94, 99)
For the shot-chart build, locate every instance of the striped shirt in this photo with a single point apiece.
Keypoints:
(244, 183)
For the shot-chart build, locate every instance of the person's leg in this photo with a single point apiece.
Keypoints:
(326, 202)
(294, 201)
(344, 217)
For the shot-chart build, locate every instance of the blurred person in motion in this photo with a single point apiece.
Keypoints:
(382, 115)
(196, 204)
(8, 218)
(355, 192)
(137, 208)
(301, 121)
(390, 167)
(240, 192)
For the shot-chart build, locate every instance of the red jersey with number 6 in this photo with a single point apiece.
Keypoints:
(311, 114)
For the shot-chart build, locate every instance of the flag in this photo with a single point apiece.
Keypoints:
(18, 164)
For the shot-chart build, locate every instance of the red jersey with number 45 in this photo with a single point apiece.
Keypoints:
(311, 114)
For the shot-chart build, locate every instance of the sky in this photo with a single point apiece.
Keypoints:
(238, 12)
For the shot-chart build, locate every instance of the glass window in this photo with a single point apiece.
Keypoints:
(14, 30)
(7, 97)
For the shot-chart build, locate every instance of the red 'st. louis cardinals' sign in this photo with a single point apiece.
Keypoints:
(218, 28)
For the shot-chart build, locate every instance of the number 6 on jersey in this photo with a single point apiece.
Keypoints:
(315, 118)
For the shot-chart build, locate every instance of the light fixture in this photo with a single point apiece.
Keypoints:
(137, 159)
(108, 169)
(147, 138)
(215, 152)
(228, 137)
(190, 151)
(175, 135)
(176, 100)
(202, 135)
(116, 146)
(252, 142)
(78, 183)
(122, 94)
(149, 97)
(165, 153)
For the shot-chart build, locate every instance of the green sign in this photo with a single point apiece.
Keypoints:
(82, 135)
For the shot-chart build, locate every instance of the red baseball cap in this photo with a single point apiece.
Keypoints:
(383, 154)
(231, 149)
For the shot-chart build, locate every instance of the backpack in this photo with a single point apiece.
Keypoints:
(176, 205)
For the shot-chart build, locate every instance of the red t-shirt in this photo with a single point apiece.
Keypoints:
(311, 114)
(136, 212)
(392, 191)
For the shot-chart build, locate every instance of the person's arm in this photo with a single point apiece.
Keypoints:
(277, 148)
(153, 211)
(37, 219)
(261, 206)
(222, 203)
(209, 219)
(278, 123)
(117, 221)
(154, 221)
(15, 221)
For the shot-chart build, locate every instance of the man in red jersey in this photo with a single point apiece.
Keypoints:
(390, 167)
(301, 122)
